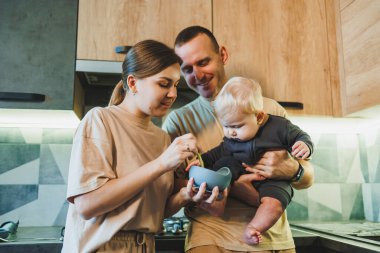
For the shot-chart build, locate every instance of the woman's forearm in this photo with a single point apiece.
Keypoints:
(176, 202)
(117, 191)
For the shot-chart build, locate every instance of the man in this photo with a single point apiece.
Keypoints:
(202, 66)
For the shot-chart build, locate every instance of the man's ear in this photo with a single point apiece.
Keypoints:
(260, 117)
(223, 54)
(132, 83)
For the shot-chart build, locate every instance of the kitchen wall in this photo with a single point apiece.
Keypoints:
(34, 166)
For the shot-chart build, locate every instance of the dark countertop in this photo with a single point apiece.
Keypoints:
(47, 239)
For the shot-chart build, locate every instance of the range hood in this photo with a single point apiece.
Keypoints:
(98, 78)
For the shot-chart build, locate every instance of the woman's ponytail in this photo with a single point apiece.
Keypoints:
(118, 94)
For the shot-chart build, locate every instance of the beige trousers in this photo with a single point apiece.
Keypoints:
(216, 249)
(129, 242)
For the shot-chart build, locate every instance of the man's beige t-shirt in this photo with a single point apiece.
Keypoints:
(198, 118)
(112, 143)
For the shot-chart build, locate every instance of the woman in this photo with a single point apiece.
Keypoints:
(121, 169)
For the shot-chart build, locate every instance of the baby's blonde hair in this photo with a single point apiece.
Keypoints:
(239, 95)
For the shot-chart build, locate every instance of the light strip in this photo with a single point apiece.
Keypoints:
(32, 118)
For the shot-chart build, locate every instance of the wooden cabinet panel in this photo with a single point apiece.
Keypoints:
(281, 43)
(104, 24)
(360, 27)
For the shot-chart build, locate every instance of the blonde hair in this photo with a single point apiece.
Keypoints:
(239, 95)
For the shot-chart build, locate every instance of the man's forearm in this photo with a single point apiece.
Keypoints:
(308, 176)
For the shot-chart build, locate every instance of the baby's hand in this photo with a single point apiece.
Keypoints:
(300, 150)
(195, 162)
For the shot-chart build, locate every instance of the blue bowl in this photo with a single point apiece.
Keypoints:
(220, 178)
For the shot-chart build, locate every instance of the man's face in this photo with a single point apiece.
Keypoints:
(202, 67)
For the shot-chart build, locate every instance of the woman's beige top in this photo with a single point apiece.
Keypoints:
(198, 118)
(111, 143)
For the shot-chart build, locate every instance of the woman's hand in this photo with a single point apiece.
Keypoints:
(205, 200)
(213, 205)
(187, 194)
(183, 147)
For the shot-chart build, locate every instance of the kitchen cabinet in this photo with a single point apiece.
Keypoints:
(37, 43)
(282, 44)
(104, 24)
(322, 53)
(359, 53)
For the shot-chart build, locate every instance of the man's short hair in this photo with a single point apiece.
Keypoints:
(191, 32)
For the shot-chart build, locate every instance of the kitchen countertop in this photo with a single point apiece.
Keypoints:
(306, 238)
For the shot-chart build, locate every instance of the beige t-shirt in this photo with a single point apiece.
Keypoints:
(111, 143)
(198, 118)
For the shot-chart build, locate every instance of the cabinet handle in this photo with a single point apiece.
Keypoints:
(293, 105)
(22, 97)
(122, 49)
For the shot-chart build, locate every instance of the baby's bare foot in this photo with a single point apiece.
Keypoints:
(252, 236)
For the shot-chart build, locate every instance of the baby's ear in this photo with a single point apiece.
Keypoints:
(260, 117)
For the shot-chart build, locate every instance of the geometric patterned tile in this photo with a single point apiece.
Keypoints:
(352, 204)
(60, 220)
(49, 170)
(14, 155)
(318, 212)
(42, 211)
(297, 212)
(348, 159)
(324, 176)
(354, 174)
(328, 195)
(371, 200)
(14, 196)
(61, 154)
(298, 207)
(363, 158)
(373, 155)
(28, 173)
(11, 135)
(327, 141)
(57, 136)
(31, 135)
(327, 158)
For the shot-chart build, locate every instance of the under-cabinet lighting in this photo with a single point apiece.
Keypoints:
(38, 118)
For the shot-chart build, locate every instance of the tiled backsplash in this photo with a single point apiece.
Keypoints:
(34, 166)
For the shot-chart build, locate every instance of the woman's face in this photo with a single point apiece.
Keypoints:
(156, 94)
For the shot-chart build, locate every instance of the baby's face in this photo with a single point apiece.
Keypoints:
(240, 126)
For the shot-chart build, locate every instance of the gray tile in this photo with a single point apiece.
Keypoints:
(14, 155)
(14, 196)
(363, 158)
(322, 175)
(11, 135)
(61, 217)
(327, 140)
(326, 158)
(49, 170)
(352, 201)
(297, 212)
(57, 136)
(319, 212)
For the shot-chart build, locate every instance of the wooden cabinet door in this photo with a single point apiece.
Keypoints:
(281, 43)
(105, 24)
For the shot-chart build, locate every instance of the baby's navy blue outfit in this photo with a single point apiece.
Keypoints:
(276, 133)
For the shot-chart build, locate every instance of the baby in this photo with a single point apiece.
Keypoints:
(248, 133)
